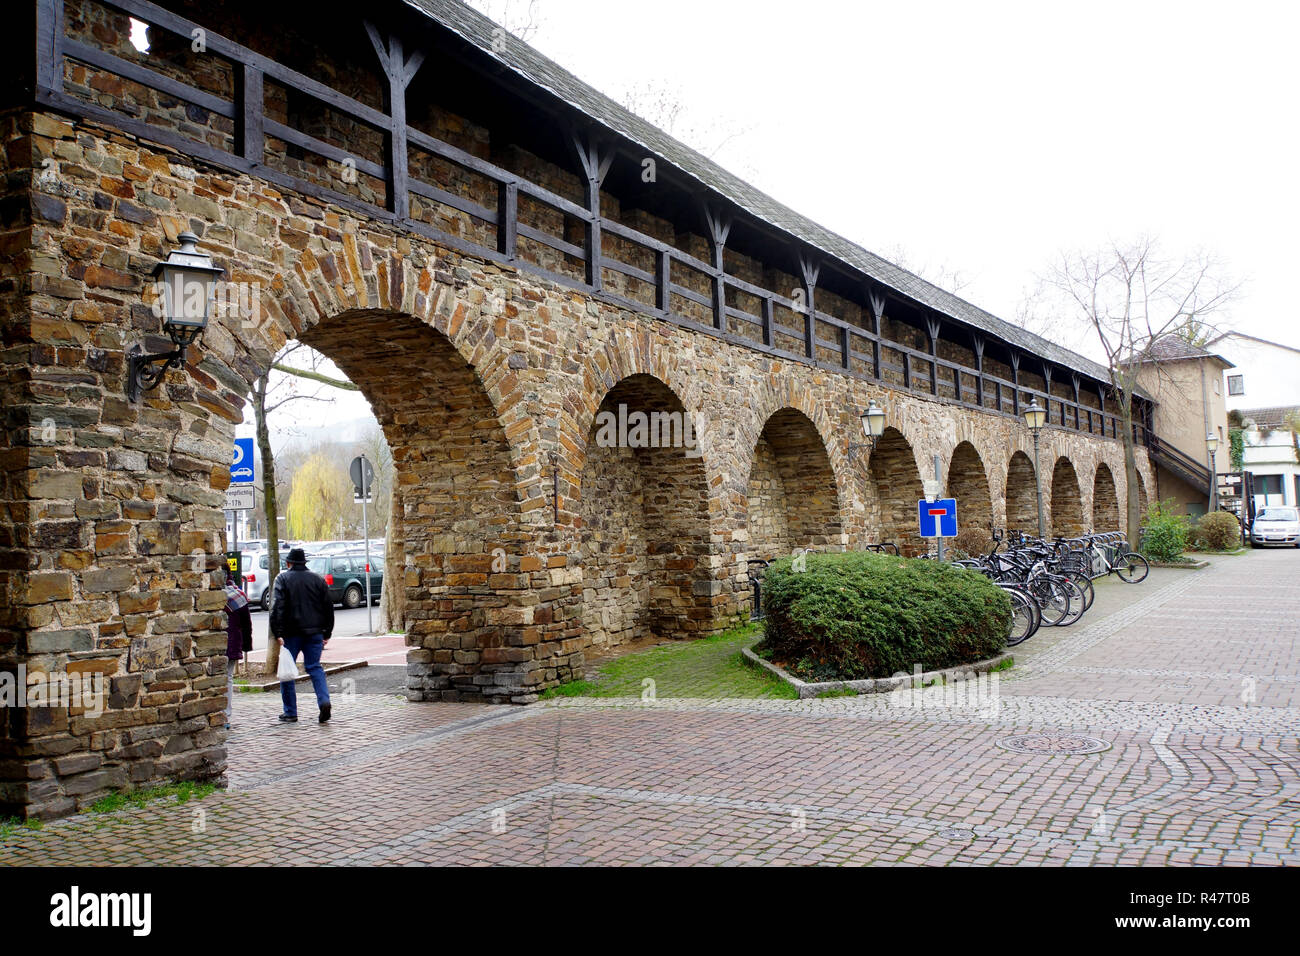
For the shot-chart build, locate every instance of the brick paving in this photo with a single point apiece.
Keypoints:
(1192, 679)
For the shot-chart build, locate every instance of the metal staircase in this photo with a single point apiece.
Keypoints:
(1187, 468)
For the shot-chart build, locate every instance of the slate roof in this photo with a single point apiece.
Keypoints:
(528, 63)
(1172, 348)
(1270, 418)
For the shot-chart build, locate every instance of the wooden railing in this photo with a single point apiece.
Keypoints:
(851, 349)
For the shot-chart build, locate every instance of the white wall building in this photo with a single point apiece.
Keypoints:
(1265, 387)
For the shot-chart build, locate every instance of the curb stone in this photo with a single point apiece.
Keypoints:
(879, 685)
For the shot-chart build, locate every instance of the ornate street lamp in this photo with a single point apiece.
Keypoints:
(1212, 445)
(185, 283)
(1036, 418)
(873, 426)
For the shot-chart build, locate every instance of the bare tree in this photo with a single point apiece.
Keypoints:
(1131, 297)
(519, 17)
(660, 104)
(282, 391)
(941, 274)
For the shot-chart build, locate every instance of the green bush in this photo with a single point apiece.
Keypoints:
(1217, 531)
(1164, 533)
(859, 615)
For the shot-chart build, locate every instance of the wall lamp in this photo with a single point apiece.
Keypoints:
(185, 283)
(873, 426)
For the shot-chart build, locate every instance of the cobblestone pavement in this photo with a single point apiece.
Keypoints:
(1191, 680)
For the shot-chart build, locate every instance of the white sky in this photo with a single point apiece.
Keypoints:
(984, 137)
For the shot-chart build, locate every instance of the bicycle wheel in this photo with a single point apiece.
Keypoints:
(1025, 616)
(1053, 599)
(1022, 618)
(1084, 583)
(1078, 603)
(1132, 568)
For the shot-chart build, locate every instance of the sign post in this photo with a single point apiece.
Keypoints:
(363, 474)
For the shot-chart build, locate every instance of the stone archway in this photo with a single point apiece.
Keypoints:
(1105, 501)
(1022, 496)
(643, 519)
(792, 497)
(896, 483)
(969, 484)
(1067, 502)
(460, 516)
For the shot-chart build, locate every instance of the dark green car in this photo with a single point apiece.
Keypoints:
(345, 575)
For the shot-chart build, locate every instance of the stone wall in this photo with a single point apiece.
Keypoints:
(524, 542)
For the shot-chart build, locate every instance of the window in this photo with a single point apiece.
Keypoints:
(1236, 385)
(1268, 484)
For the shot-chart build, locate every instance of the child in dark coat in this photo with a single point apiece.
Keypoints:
(239, 636)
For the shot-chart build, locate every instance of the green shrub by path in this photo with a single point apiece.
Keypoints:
(709, 667)
(1217, 531)
(1164, 533)
(859, 615)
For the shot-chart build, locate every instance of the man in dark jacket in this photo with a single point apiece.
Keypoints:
(302, 618)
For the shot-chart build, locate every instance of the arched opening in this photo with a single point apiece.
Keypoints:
(1067, 505)
(969, 484)
(1105, 501)
(643, 510)
(1022, 497)
(897, 485)
(793, 500)
(457, 505)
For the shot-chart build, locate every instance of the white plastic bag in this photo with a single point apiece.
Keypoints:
(287, 670)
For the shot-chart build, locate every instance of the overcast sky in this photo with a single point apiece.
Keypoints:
(981, 138)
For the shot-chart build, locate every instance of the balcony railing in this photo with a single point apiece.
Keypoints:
(774, 324)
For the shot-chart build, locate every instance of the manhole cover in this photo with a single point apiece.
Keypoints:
(958, 834)
(1054, 744)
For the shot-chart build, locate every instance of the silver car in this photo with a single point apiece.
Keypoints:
(1276, 525)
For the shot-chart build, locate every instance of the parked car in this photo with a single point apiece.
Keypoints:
(345, 574)
(256, 571)
(1276, 525)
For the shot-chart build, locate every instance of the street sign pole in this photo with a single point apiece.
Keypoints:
(365, 533)
(939, 485)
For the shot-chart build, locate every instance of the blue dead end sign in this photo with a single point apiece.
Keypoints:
(241, 462)
(938, 518)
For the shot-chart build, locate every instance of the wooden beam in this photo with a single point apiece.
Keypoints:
(718, 226)
(877, 302)
(508, 219)
(399, 70)
(932, 325)
(1015, 380)
(595, 160)
(810, 269)
(252, 140)
(663, 281)
(978, 343)
(767, 321)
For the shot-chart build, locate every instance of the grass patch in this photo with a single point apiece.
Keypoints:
(183, 792)
(841, 692)
(9, 824)
(1005, 665)
(710, 667)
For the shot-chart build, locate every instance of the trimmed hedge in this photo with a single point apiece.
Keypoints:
(1217, 531)
(859, 615)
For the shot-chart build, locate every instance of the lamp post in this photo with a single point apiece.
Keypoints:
(1036, 418)
(185, 283)
(873, 426)
(1212, 445)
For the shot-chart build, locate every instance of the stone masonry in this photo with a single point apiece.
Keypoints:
(525, 541)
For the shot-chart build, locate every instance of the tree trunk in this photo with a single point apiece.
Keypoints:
(272, 511)
(392, 598)
(1133, 516)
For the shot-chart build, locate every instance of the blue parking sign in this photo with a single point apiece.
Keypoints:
(241, 463)
(938, 518)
